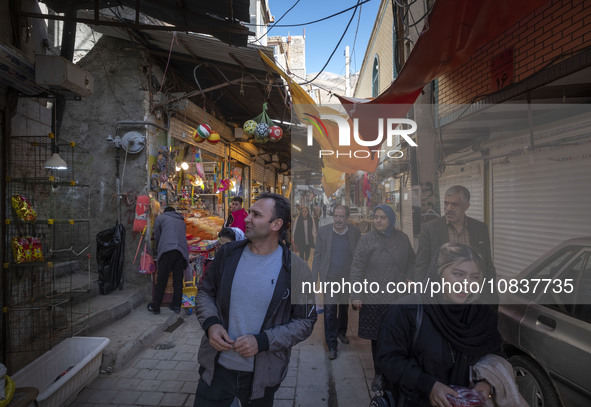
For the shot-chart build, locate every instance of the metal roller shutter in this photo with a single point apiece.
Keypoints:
(240, 156)
(470, 176)
(406, 211)
(270, 179)
(258, 172)
(539, 199)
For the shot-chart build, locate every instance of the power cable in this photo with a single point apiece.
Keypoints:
(337, 46)
(275, 23)
(311, 22)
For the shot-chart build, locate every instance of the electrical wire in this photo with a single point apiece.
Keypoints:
(275, 23)
(314, 21)
(168, 61)
(337, 46)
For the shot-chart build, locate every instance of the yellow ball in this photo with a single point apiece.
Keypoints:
(213, 138)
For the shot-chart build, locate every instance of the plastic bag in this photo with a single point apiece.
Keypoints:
(466, 397)
(26, 249)
(24, 210)
(110, 250)
(147, 265)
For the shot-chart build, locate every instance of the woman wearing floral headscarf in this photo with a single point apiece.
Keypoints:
(383, 255)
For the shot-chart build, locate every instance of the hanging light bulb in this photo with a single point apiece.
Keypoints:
(184, 166)
(55, 162)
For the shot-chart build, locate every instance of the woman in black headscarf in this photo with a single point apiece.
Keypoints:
(382, 256)
(455, 333)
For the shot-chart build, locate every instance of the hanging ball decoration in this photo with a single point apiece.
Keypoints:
(275, 133)
(197, 138)
(214, 138)
(261, 139)
(262, 130)
(249, 127)
(203, 131)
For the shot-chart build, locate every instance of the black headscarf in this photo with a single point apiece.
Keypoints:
(391, 217)
(471, 329)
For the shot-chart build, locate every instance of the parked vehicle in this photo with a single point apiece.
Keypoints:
(547, 331)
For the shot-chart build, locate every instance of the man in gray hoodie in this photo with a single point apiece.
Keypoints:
(173, 255)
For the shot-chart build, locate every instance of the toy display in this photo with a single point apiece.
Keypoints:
(214, 138)
(275, 133)
(24, 210)
(202, 131)
(249, 127)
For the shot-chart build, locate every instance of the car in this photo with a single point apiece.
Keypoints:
(547, 331)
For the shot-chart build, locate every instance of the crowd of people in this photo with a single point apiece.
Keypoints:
(423, 346)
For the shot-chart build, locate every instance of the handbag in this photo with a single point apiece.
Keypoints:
(386, 399)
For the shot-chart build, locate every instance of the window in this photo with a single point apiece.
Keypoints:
(550, 267)
(375, 78)
(395, 57)
(558, 298)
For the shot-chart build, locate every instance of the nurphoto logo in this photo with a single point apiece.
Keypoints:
(392, 129)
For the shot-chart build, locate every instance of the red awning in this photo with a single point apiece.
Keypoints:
(452, 32)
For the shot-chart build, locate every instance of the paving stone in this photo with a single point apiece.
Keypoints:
(150, 398)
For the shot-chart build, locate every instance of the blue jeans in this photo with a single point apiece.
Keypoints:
(336, 318)
(228, 384)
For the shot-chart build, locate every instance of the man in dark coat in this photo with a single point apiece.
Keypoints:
(335, 245)
(173, 255)
(455, 226)
(252, 311)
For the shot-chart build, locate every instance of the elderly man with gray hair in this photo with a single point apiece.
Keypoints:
(455, 227)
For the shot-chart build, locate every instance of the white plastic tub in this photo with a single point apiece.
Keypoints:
(83, 353)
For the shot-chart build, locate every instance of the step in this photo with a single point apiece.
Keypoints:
(129, 326)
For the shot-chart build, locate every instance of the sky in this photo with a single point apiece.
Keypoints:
(323, 37)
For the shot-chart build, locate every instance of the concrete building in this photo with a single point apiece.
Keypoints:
(139, 91)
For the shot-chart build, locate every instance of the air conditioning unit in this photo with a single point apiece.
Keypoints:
(58, 74)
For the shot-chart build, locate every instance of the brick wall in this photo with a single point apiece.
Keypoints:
(555, 31)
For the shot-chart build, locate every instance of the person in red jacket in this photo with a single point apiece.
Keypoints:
(237, 214)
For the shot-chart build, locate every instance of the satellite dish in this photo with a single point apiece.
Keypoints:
(133, 142)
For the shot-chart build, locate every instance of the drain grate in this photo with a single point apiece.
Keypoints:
(174, 326)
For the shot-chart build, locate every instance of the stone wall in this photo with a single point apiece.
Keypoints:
(120, 72)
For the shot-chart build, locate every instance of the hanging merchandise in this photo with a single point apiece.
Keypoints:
(147, 265)
(262, 125)
(225, 184)
(24, 210)
(249, 127)
(213, 138)
(142, 207)
(26, 249)
(275, 133)
(203, 132)
(199, 165)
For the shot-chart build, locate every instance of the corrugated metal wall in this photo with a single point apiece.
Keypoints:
(542, 198)
(258, 172)
(406, 210)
